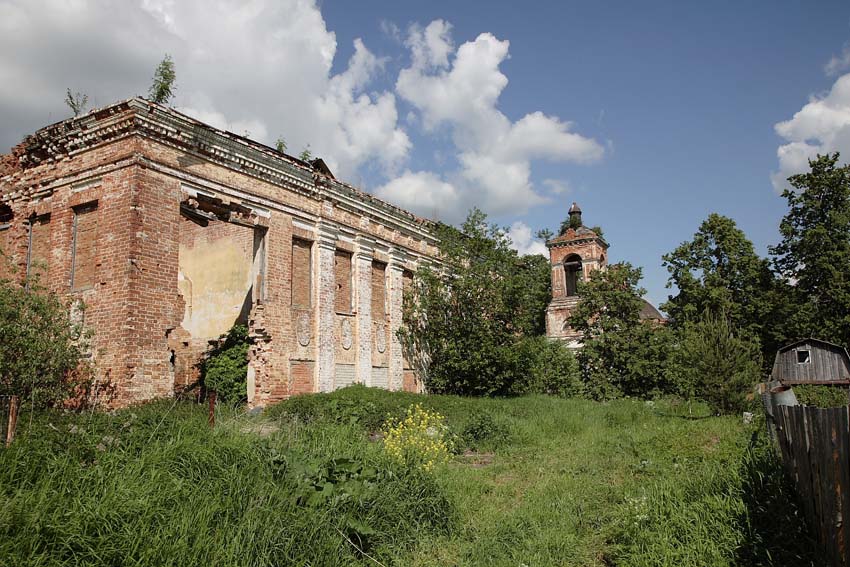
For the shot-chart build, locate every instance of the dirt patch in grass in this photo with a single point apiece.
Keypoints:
(476, 459)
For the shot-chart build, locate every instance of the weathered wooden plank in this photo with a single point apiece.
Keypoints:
(842, 482)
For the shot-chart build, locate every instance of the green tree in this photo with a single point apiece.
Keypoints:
(620, 354)
(719, 270)
(469, 315)
(715, 362)
(280, 145)
(42, 352)
(76, 102)
(814, 253)
(163, 86)
(306, 154)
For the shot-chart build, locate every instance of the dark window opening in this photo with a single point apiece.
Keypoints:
(572, 271)
(803, 357)
(6, 216)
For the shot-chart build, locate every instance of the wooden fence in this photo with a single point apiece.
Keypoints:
(815, 446)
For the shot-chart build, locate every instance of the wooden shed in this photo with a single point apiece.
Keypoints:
(811, 361)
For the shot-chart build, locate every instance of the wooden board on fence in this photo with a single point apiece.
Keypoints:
(815, 445)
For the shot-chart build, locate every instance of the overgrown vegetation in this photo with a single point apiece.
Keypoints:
(471, 322)
(224, 368)
(822, 396)
(621, 355)
(153, 485)
(533, 480)
(164, 81)
(43, 354)
(77, 102)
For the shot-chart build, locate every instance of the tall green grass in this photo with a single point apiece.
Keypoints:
(154, 486)
(536, 481)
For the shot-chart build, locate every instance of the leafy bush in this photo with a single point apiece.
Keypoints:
(42, 356)
(822, 396)
(420, 440)
(621, 355)
(545, 366)
(225, 367)
(353, 405)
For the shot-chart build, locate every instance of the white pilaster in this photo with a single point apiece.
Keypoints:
(396, 295)
(363, 295)
(325, 313)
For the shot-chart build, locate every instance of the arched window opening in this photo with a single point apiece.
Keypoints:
(572, 271)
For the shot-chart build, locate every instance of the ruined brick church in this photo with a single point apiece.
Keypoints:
(171, 231)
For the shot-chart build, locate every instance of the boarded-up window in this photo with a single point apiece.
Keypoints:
(342, 276)
(38, 250)
(84, 247)
(301, 270)
(379, 291)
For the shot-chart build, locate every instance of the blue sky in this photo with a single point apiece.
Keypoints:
(651, 115)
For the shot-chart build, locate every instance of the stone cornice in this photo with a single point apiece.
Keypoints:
(166, 126)
(577, 241)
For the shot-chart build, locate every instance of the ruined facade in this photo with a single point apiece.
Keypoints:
(573, 255)
(171, 231)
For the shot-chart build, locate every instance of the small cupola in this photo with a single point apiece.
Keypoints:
(575, 216)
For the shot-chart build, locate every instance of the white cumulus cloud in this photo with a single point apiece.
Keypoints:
(524, 242)
(421, 191)
(838, 63)
(821, 126)
(261, 67)
(458, 89)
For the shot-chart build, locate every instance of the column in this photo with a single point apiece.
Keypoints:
(325, 292)
(363, 306)
(396, 296)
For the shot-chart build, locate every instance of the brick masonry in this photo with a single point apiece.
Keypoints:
(170, 231)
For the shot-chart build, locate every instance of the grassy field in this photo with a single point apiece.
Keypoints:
(535, 481)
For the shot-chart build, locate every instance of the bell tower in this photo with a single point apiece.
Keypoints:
(573, 255)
